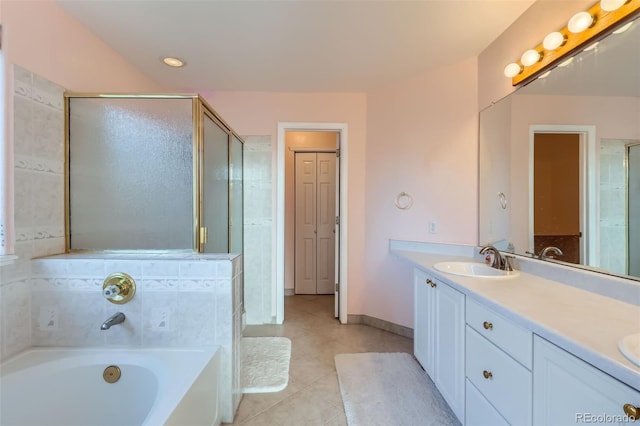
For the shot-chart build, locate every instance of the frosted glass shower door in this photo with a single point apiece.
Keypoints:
(215, 187)
(130, 173)
(633, 214)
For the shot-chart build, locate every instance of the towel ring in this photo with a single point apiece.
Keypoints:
(404, 201)
(502, 200)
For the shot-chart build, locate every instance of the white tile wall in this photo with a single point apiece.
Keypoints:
(39, 161)
(613, 220)
(258, 228)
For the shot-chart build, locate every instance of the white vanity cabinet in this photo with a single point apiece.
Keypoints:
(567, 390)
(498, 369)
(439, 337)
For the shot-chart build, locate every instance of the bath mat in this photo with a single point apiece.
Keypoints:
(389, 389)
(265, 364)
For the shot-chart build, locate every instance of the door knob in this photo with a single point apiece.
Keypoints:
(487, 374)
(487, 325)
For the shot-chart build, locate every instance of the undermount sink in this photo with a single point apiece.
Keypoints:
(630, 347)
(473, 269)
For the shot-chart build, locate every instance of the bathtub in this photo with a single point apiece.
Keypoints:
(56, 386)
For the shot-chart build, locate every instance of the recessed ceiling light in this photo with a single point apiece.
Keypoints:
(174, 62)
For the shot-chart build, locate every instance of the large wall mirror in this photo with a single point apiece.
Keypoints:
(559, 161)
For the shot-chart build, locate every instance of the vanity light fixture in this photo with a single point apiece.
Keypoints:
(554, 40)
(174, 62)
(611, 5)
(583, 29)
(580, 22)
(530, 57)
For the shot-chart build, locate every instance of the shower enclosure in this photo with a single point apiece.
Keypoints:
(151, 172)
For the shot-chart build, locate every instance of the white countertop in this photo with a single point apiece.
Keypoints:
(584, 323)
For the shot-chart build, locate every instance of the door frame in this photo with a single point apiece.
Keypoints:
(589, 173)
(279, 258)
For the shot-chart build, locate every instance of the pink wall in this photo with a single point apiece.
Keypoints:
(525, 33)
(422, 139)
(43, 38)
(258, 113)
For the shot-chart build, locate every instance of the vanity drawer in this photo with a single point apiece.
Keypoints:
(510, 337)
(503, 382)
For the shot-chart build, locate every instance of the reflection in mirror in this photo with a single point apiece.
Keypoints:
(575, 128)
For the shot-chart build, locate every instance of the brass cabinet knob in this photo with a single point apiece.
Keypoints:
(487, 374)
(487, 325)
(632, 411)
(431, 283)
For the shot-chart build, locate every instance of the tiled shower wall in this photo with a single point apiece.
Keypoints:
(613, 216)
(258, 229)
(38, 123)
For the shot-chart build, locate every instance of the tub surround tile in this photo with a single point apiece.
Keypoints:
(130, 267)
(15, 321)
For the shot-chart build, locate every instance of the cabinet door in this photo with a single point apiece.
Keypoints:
(478, 411)
(449, 349)
(423, 321)
(567, 390)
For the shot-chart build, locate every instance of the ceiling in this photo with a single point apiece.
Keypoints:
(294, 45)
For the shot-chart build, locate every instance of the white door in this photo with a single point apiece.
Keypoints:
(315, 207)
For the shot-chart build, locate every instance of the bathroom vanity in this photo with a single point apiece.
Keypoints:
(523, 349)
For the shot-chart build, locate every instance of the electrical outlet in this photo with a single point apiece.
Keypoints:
(433, 227)
(48, 319)
(161, 320)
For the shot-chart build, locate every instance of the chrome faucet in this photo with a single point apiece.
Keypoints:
(498, 261)
(113, 320)
(544, 253)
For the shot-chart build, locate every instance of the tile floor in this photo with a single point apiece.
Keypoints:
(312, 396)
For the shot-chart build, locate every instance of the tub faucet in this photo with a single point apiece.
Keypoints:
(498, 261)
(113, 320)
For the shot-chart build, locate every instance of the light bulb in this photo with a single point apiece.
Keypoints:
(591, 46)
(565, 63)
(623, 28)
(610, 5)
(530, 57)
(580, 22)
(512, 70)
(554, 40)
(174, 62)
